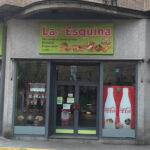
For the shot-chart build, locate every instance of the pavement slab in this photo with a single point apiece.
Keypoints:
(64, 144)
(8, 148)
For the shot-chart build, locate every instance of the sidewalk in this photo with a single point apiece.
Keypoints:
(4, 148)
(67, 144)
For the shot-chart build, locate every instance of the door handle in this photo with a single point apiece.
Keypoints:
(78, 106)
(73, 106)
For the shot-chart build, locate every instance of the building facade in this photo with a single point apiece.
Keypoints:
(76, 69)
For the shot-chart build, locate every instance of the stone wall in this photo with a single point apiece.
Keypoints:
(131, 4)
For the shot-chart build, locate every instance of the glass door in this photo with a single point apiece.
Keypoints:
(76, 99)
(87, 112)
(65, 116)
(76, 109)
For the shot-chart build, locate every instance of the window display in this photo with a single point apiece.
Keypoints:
(30, 93)
(119, 100)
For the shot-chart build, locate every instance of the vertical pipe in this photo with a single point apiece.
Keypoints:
(2, 85)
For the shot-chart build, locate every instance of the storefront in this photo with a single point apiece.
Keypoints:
(65, 98)
(68, 96)
(76, 79)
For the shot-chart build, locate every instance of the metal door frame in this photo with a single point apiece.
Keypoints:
(77, 84)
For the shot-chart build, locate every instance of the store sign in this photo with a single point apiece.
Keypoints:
(1, 39)
(76, 38)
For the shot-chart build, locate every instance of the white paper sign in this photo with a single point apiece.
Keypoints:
(66, 106)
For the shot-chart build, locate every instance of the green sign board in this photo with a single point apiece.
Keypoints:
(76, 38)
(70, 100)
(1, 39)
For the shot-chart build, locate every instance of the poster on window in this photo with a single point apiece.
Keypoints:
(76, 38)
(119, 107)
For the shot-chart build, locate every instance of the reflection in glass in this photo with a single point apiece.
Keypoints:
(119, 74)
(77, 73)
(30, 93)
(87, 100)
(65, 99)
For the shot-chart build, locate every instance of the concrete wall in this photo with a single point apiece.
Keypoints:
(131, 4)
(129, 44)
(146, 99)
(129, 41)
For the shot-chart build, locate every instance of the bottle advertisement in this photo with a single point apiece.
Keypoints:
(119, 107)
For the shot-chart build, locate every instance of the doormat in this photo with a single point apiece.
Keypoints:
(8, 148)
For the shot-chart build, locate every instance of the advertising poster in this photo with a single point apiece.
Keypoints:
(1, 39)
(119, 107)
(76, 38)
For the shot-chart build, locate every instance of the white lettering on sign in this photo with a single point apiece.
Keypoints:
(110, 110)
(125, 110)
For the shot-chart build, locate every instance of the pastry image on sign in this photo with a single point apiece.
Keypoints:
(77, 48)
(106, 41)
(64, 46)
(91, 46)
(99, 48)
(106, 48)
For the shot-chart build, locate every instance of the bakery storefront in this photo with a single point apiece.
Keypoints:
(66, 89)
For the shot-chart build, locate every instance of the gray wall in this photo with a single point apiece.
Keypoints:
(146, 97)
(129, 44)
(128, 40)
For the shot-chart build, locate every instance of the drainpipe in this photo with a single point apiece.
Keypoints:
(2, 84)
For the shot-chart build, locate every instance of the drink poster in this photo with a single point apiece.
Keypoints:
(119, 107)
(76, 38)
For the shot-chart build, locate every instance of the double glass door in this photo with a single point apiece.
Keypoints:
(76, 107)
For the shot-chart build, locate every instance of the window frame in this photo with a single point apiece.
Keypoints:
(34, 129)
(101, 99)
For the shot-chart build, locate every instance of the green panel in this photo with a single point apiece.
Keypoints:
(1, 39)
(76, 38)
(86, 131)
(69, 131)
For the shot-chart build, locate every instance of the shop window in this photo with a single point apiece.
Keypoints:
(30, 105)
(119, 100)
(77, 73)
